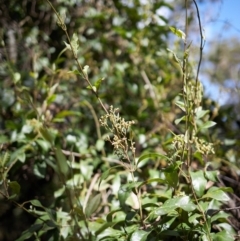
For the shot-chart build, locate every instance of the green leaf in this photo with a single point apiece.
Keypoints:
(170, 206)
(85, 70)
(29, 232)
(89, 87)
(125, 191)
(110, 214)
(152, 180)
(39, 169)
(222, 236)
(74, 43)
(217, 194)
(45, 145)
(93, 205)
(46, 134)
(193, 218)
(139, 235)
(177, 121)
(76, 72)
(172, 178)
(220, 215)
(199, 182)
(15, 187)
(181, 105)
(3, 139)
(173, 167)
(179, 33)
(186, 204)
(4, 159)
(176, 59)
(19, 154)
(105, 175)
(104, 227)
(200, 113)
(229, 142)
(98, 83)
(212, 175)
(67, 45)
(66, 113)
(123, 194)
(207, 125)
(130, 216)
(110, 232)
(226, 189)
(100, 144)
(51, 98)
(151, 156)
(228, 228)
(36, 203)
(61, 162)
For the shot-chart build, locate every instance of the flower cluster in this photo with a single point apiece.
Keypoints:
(194, 92)
(119, 128)
(201, 145)
(204, 147)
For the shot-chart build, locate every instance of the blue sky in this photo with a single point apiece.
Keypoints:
(219, 20)
(223, 16)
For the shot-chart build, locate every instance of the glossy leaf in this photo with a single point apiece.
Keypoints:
(220, 215)
(19, 154)
(123, 194)
(217, 194)
(46, 134)
(79, 212)
(66, 113)
(139, 235)
(110, 233)
(62, 162)
(212, 175)
(177, 121)
(181, 105)
(171, 205)
(36, 203)
(207, 125)
(222, 236)
(15, 187)
(100, 144)
(176, 59)
(172, 178)
(104, 227)
(200, 113)
(29, 232)
(45, 145)
(93, 205)
(111, 214)
(151, 156)
(98, 83)
(199, 182)
(104, 175)
(154, 180)
(125, 191)
(179, 33)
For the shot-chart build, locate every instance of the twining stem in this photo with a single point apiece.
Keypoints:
(190, 106)
(85, 77)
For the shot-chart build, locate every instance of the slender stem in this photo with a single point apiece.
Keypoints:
(85, 77)
(190, 106)
(201, 41)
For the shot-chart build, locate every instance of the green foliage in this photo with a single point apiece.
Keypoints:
(159, 182)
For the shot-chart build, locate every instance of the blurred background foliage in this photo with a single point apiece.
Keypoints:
(124, 42)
